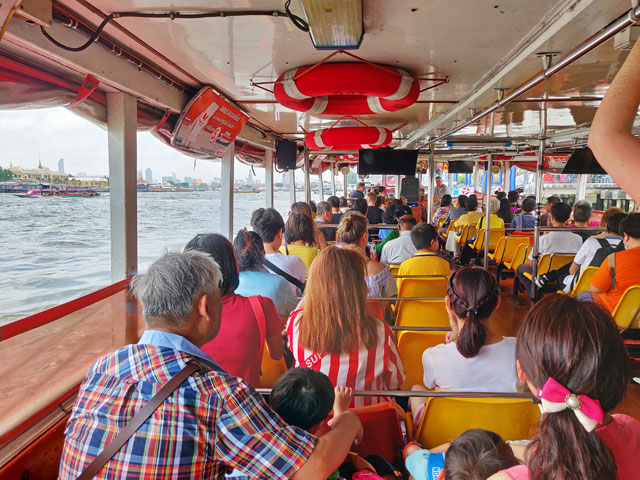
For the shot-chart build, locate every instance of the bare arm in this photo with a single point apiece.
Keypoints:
(573, 269)
(617, 150)
(332, 448)
(275, 347)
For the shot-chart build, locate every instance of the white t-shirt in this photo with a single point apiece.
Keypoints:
(559, 242)
(493, 369)
(399, 249)
(291, 264)
(586, 253)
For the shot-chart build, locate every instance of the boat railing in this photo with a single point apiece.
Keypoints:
(429, 394)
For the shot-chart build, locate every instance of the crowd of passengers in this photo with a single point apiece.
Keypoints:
(286, 289)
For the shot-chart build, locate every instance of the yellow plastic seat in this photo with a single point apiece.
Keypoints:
(270, 370)
(411, 345)
(422, 313)
(435, 286)
(445, 418)
(584, 282)
(506, 248)
(520, 257)
(494, 238)
(468, 231)
(627, 312)
(552, 261)
(394, 269)
(452, 227)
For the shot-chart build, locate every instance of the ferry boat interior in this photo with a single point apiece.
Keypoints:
(495, 84)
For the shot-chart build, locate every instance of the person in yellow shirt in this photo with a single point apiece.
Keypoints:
(425, 261)
(495, 223)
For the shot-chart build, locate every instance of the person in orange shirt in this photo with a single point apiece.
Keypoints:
(607, 288)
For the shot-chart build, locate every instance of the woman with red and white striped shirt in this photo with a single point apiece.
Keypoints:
(334, 333)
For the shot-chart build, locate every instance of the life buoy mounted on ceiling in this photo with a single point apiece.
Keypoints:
(348, 138)
(346, 89)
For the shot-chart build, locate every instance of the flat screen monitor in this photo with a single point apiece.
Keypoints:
(582, 161)
(461, 167)
(386, 161)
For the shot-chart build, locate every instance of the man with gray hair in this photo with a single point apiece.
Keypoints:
(212, 421)
(324, 215)
(582, 214)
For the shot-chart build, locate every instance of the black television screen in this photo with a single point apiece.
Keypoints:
(386, 161)
(581, 161)
(460, 167)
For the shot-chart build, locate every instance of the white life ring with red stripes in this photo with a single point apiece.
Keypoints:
(348, 138)
(346, 89)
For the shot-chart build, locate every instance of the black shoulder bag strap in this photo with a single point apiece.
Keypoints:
(139, 418)
(289, 278)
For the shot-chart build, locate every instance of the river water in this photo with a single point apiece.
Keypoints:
(57, 249)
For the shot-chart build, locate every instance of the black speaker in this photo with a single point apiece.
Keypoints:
(286, 155)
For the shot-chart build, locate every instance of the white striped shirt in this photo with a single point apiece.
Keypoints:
(378, 368)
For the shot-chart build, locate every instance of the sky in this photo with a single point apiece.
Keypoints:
(62, 134)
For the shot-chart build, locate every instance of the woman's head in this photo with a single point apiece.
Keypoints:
(505, 212)
(304, 208)
(335, 318)
(462, 201)
(472, 297)
(472, 203)
(579, 346)
(494, 205)
(389, 216)
(352, 228)
(222, 252)
(249, 250)
(446, 201)
(299, 228)
(359, 205)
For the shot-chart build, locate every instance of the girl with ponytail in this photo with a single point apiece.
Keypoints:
(572, 357)
(476, 359)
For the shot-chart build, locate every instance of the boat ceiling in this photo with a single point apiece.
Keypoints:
(478, 44)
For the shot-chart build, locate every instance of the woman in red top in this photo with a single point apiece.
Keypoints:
(572, 357)
(334, 333)
(238, 345)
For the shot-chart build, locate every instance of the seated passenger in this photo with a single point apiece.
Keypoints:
(299, 238)
(472, 217)
(526, 221)
(582, 216)
(456, 212)
(593, 247)
(399, 249)
(335, 209)
(442, 213)
(552, 242)
(505, 212)
(373, 213)
(476, 359)
(390, 217)
(545, 218)
(344, 204)
(305, 209)
(254, 277)
(514, 199)
(239, 338)
(473, 455)
(324, 215)
(495, 222)
(212, 422)
(359, 205)
(620, 270)
(334, 332)
(424, 261)
(268, 224)
(353, 232)
(578, 436)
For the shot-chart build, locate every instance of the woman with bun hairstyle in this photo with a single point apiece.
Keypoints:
(353, 232)
(476, 359)
(571, 356)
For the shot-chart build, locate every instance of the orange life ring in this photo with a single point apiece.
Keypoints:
(346, 89)
(348, 138)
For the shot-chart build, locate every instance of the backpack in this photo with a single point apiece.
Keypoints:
(604, 251)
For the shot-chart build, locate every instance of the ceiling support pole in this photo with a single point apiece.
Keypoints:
(226, 201)
(268, 178)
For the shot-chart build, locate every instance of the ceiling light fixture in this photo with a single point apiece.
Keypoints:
(334, 24)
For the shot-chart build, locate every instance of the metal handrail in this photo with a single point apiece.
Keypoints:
(420, 276)
(429, 394)
(393, 299)
(421, 329)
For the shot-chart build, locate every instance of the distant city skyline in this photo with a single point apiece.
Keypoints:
(61, 165)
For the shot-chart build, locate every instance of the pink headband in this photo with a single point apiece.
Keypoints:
(556, 398)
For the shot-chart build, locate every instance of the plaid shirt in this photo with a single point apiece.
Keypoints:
(212, 422)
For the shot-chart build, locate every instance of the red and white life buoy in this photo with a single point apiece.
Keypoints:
(348, 138)
(346, 89)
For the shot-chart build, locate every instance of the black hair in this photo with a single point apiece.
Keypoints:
(513, 196)
(221, 250)
(267, 222)
(334, 201)
(389, 215)
(303, 397)
(343, 201)
(614, 221)
(446, 200)
(528, 204)
(501, 195)
(402, 210)
(561, 212)
(249, 250)
(407, 220)
(462, 201)
(505, 212)
(313, 206)
(631, 225)
(476, 455)
(422, 235)
(581, 211)
(472, 203)
(360, 205)
(473, 293)
(553, 199)
(299, 227)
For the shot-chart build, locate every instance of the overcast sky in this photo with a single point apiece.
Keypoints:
(54, 133)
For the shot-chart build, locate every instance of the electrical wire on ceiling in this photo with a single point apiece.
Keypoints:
(296, 20)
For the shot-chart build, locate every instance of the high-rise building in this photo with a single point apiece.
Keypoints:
(140, 174)
(148, 175)
(61, 165)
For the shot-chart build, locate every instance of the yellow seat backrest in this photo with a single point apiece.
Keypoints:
(468, 231)
(553, 261)
(394, 269)
(627, 312)
(270, 370)
(584, 281)
(411, 345)
(494, 237)
(422, 313)
(507, 246)
(452, 227)
(446, 418)
(520, 257)
(423, 287)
